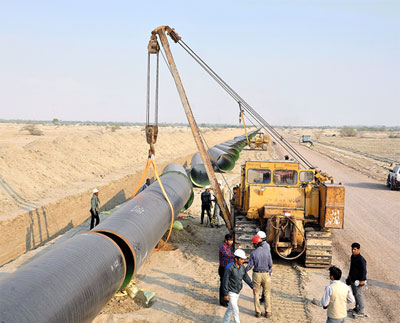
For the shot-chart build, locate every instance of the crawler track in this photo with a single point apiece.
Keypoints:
(319, 249)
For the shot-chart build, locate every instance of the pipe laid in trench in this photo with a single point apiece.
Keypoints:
(75, 280)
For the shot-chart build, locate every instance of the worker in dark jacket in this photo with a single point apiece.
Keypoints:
(206, 204)
(357, 278)
(225, 258)
(261, 260)
(94, 209)
(232, 285)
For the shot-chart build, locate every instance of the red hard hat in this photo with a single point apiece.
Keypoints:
(256, 239)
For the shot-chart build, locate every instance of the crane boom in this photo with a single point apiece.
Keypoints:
(161, 32)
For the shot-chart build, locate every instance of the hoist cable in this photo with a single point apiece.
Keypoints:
(156, 99)
(286, 145)
(263, 123)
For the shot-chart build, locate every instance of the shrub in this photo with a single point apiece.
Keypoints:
(32, 129)
(348, 132)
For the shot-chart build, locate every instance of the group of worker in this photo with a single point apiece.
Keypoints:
(206, 202)
(335, 298)
(232, 271)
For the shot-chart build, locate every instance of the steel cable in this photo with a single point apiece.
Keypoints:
(260, 120)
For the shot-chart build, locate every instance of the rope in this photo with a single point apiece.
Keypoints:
(166, 197)
(151, 162)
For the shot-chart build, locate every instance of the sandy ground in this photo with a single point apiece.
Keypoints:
(371, 213)
(69, 159)
(184, 277)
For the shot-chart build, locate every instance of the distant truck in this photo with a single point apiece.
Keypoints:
(306, 140)
(393, 180)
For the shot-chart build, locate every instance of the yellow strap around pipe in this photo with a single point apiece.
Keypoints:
(244, 125)
(166, 197)
(148, 163)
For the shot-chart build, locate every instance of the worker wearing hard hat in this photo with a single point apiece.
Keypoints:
(263, 237)
(206, 204)
(261, 260)
(232, 285)
(94, 209)
(265, 245)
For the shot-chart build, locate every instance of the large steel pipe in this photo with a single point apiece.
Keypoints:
(142, 221)
(71, 283)
(233, 152)
(75, 280)
(233, 143)
(198, 174)
(221, 159)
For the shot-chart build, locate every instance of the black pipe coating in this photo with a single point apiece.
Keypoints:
(70, 283)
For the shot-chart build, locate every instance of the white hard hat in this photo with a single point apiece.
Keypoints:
(207, 187)
(219, 182)
(261, 234)
(240, 253)
(95, 190)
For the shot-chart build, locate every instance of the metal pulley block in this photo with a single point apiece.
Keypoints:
(174, 35)
(151, 137)
(153, 47)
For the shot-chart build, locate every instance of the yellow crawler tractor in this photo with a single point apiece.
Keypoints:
(259, 141)
(296, 208)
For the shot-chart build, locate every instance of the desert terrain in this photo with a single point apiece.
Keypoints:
(68, 161)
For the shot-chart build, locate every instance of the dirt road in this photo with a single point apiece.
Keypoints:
(372, 219)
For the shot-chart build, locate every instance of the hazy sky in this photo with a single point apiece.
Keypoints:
(296, 62)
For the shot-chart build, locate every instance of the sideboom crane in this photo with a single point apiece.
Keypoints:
(161, 32)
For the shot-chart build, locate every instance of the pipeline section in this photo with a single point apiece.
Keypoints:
(75, 280)
(222, 156)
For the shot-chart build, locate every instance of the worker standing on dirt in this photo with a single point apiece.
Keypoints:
(225, 258)
(206, 204)
(357, 278)
(94, 209)
(265, 245)
(336, 296)
(232, 285)
(261, 260)
(217, 209)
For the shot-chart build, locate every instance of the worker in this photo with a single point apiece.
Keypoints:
(217, 210)
(263, 237)
(206, 204)
(94, 209)
(225, 258)
(145, 185)
(336, 296)
(265, 245)
(232, 285)
(357, 278)
(261, 260)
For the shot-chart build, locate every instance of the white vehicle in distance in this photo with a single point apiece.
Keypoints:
(393, 180)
